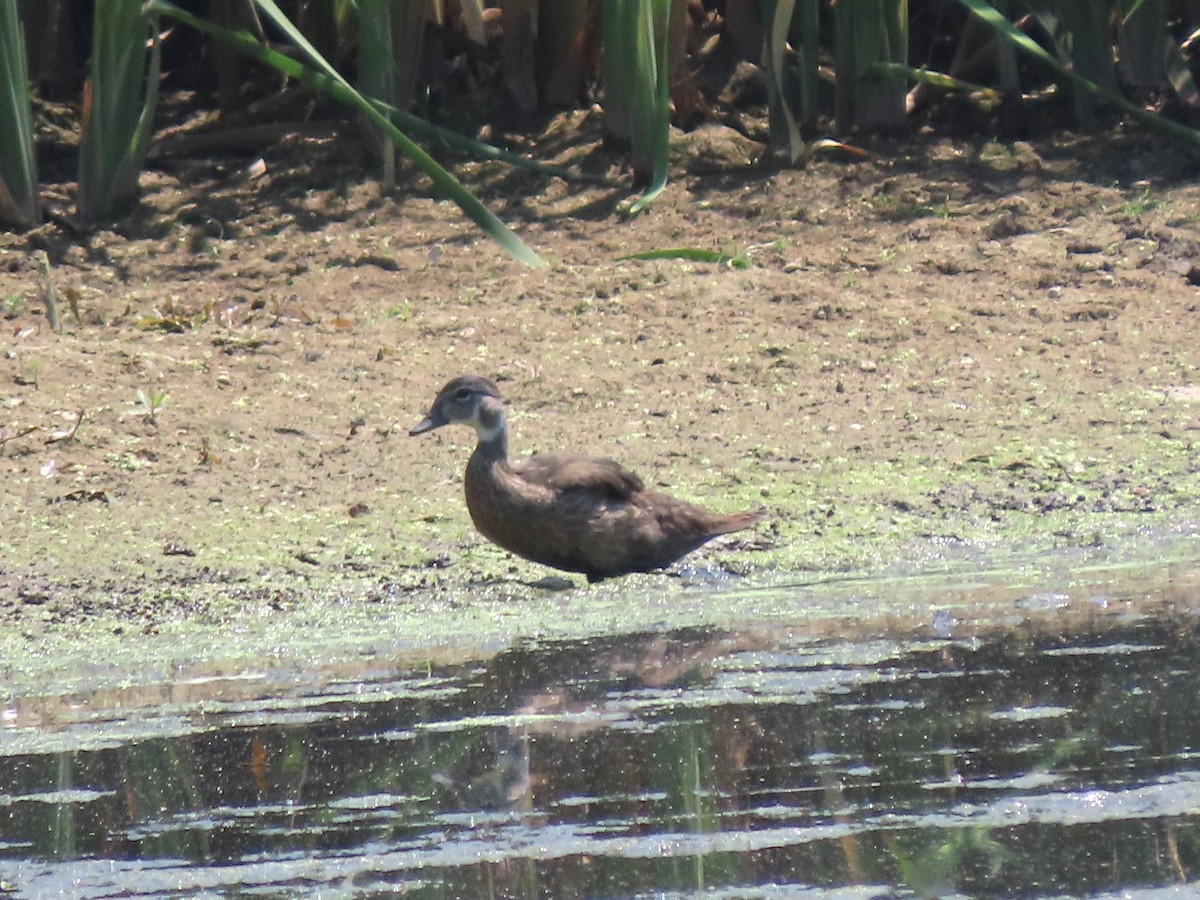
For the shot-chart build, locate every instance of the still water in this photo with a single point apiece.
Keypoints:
(772, 762)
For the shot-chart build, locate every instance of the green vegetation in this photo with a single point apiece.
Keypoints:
(1091, 54)
(651, 53)
(150, 401)
(695, 254)
(637, 89)
(323, 76)
(118, 108)
(18, 168)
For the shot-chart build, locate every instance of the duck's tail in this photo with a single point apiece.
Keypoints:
(735, 522)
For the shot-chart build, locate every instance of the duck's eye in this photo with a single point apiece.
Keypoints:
(462, 394)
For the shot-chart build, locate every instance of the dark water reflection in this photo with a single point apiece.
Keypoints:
(734, 765)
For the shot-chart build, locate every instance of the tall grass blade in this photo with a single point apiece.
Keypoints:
(409, 18)
(652, 108)
(18, 165)
(869, 33)
(790, 56)
(940, 80)
(1007, 74)
(845, 66)
(391, 36)
(806, 38)
(472, 13)
(422, 128)
(376, 54)
(562, 49)
(889, 109)
(118, 110)
(617, 67)
(226, 63)
(1149, 54)
(637, 98)
(1091, 51)
(693, 254)
(991, 17)
(377, 76)
(782, 92)
(329, 81)
(1143, 33)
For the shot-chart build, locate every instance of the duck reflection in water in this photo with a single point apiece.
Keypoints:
(496, 780)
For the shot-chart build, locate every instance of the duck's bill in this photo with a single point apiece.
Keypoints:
(427, 424)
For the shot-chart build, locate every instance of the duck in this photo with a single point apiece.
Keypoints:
(568, 511)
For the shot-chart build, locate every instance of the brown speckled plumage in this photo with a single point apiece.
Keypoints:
(563, 510)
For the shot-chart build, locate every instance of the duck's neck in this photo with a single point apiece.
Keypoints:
(492, 431)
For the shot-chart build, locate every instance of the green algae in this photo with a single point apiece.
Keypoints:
(281, 585)
(324, 628)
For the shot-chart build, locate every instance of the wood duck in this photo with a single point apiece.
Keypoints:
(568, 511)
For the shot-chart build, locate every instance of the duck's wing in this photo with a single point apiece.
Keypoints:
(565, 472)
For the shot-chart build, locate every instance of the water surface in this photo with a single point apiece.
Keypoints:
(1047, 760)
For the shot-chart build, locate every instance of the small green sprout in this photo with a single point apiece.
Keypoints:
(150, 401)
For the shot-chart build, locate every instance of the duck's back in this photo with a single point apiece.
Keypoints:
(574, 472)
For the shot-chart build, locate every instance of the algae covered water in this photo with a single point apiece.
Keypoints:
(763, 762)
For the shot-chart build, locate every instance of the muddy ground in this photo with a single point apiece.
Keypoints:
(945, 344)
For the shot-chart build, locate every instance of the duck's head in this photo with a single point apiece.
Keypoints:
(468, 400)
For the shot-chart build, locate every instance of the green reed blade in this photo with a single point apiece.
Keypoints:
(991, 17)
(329, 81)
(119, 101)
(1143, 31)
(637, 100)
(18, 165)
(376, 53)
(652, 108)
(617, 67)
(377, 76)
(782, 99)
(903, 74)
(1091, 51)
(869, 33)
(415, 125)
(791, 49)
(805, 36)
(692, 254)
